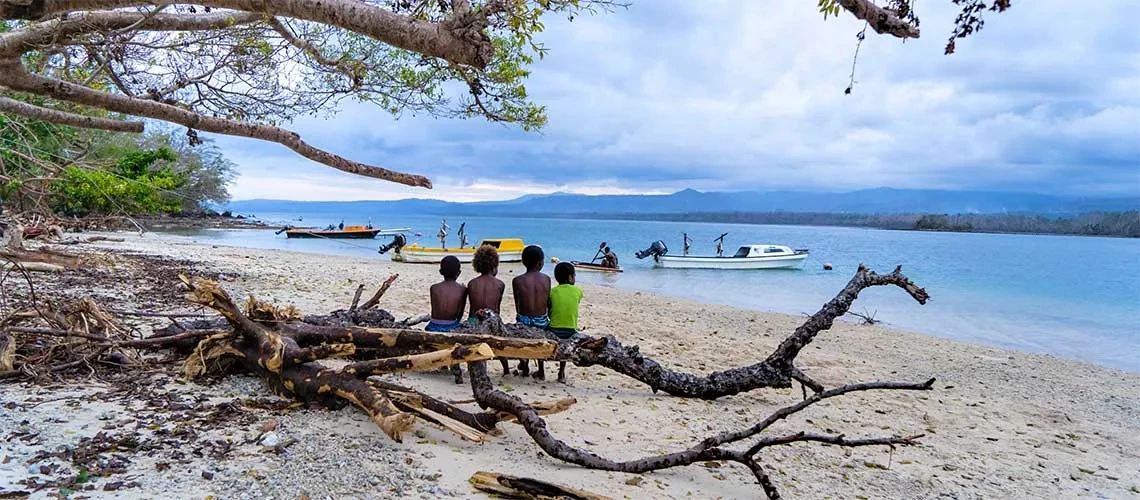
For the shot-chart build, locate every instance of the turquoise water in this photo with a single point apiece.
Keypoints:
(1073, 297)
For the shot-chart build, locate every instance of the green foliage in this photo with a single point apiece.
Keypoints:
(829, 8)
(934, 222)
(81, 192)
(136, 164)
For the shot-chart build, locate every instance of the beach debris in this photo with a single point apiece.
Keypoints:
(527, 488)
(867, 317)
(287, 349)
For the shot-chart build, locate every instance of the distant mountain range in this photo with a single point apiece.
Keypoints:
(868, 201)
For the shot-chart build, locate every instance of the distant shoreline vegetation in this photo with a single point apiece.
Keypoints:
(1119, 224)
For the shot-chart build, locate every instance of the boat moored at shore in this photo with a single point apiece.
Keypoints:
(345, 232)
(510, 250)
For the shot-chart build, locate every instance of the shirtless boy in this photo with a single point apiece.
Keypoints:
(448, 298)
(532, 298)
(486, 291)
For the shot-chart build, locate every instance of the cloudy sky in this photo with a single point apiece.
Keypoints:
(732, 95)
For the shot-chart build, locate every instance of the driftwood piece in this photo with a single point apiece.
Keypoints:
(527, 488)
(375, 298)
(421, 362)
(709, 449)
(278, 345)
(35, 267)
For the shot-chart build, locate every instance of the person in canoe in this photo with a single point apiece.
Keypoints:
(532, 296)
(609, 258)
(448, 299)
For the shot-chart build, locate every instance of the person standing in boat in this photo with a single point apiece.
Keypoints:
(532, 300)
(448, 299)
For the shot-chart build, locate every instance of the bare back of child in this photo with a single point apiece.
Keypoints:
(486, 291)
(532, 300)
(448, 299)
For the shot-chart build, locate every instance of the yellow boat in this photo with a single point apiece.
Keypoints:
(510, 250)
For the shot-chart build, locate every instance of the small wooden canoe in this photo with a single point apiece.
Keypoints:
(596, 268)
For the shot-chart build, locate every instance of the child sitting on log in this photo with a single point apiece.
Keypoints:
(532, 300)
(564, 301)
(486, 291)
(448, 298)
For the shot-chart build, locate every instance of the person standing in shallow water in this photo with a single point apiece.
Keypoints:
(564, 301)
(532, 300)
(448, 299)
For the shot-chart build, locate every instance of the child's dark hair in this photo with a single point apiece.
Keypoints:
(532, 257)
(486, 259)
(563, 272)
(449, 267)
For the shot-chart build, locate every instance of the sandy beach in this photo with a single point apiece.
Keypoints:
(998, 424)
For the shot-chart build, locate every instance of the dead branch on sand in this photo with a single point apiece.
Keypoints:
(286, 348)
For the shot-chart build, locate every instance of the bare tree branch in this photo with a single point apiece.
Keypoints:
(458, 38)
(883, 21)
(65, 118)
(16, 78)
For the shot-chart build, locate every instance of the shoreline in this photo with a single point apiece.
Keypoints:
(999, 422)
(641, 287)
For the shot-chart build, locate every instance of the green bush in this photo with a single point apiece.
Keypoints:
(82, 192)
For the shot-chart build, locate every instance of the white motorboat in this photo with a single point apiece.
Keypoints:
(759, 256)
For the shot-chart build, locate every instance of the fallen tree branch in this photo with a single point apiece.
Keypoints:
(527, 488)
(375, 298)
(707, 450)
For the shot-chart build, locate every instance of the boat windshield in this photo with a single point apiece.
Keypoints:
(743, 252)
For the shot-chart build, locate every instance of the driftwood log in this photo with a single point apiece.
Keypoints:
(286, 348)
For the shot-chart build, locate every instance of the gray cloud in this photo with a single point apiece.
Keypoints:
(748, 95)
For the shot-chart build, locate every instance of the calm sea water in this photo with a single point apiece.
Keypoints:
(1073, 297)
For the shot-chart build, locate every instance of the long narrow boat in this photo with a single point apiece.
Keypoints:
(349, 232)
(510, 250)
(594, 267)
(762, 256)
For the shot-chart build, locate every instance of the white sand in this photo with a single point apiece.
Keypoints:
(999, 424)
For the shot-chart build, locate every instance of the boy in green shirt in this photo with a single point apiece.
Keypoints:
(564, 300)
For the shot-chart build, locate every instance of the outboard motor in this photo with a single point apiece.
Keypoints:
(657, 249)
(397, 243)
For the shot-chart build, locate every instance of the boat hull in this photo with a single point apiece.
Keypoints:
(586, 266)
(690, 262)
(433, 256)
(339, 235)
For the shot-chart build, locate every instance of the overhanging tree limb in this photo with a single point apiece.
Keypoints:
(60, 30)
(34, 112)
(458, 39)
(16, 78)
(883, 21)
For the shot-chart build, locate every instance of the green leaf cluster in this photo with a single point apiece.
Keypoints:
(829, 8)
